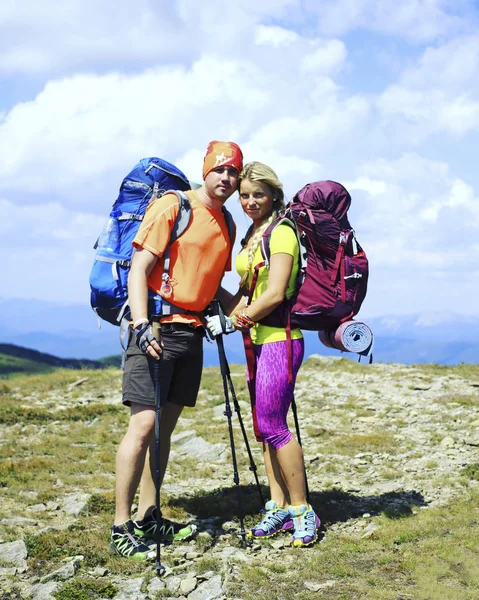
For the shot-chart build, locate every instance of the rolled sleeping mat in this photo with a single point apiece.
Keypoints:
(351, 336)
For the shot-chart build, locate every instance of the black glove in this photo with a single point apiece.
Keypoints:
(144, 336)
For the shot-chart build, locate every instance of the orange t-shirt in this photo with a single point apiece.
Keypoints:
(198, 258)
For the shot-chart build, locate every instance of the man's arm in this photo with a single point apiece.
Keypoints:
(142, 263)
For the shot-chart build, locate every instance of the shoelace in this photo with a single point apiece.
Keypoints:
(307, 521)
(132, 539)
(270, 520)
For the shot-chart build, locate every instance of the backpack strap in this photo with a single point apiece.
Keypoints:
(339, 266)
(266, 238)
(229, 224)
(266, 254)
(179, 227)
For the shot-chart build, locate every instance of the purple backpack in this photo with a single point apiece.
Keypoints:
(333, 274)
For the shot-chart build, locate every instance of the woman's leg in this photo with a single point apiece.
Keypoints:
(278, 489)
(283, 456)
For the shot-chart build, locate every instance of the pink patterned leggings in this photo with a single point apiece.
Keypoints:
(271, 393)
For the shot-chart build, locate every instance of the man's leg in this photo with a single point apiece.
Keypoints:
(130, 459)
(181, 366)
(169, 418)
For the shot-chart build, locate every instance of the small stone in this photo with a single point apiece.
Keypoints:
(64, 573)
(370, 530)
(447, 442)
(188, 585)
(173, 583)
(156, 584)
(14, 553)
(44, 591)
(312, 586)
(208, 590)
(206, 575)
(16, 521)
(280, 544)
(37, 508)
(366, 419)
(99, 572)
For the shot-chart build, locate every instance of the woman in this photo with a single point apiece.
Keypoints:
(262, 198)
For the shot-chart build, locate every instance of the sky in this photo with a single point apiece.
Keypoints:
(379, 95)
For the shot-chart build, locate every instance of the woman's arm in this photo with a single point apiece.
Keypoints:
(280, 268)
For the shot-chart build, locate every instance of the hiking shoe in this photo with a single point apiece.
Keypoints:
(124, 542)
(306, 524)
(169, 531)
(275, 520)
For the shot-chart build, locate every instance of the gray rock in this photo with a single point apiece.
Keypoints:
(44, 591)
(208, 590)
(18, 521)
(187, 442)
(370, 530)
(76, 504)
(188, 585)
(130, 589)
(155, 586)
(99, 572)
(66, 572)
(14, 553)
(37, 508)
(173, 583)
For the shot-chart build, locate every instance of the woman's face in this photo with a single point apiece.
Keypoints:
(256, 200)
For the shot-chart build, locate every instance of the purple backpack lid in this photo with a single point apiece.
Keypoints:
(326, 195)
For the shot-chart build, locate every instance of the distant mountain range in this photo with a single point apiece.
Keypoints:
(71, 331)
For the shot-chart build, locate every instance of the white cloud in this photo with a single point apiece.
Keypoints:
(417, 20)
(327, 57)
(274, 36)
(440, 93)
(415, 216)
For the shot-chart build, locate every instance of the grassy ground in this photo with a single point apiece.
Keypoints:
(58, 438)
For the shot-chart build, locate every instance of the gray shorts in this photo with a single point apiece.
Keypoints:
(180, 368)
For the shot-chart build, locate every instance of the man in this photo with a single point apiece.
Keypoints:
(199, 258)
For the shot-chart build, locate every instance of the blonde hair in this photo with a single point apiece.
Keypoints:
(256, 171)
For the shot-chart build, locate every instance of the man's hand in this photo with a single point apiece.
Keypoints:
(146, 341)
(215, 328)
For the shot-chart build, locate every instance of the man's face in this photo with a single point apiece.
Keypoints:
(221, 182)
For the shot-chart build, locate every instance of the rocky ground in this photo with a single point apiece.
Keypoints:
(377, 438)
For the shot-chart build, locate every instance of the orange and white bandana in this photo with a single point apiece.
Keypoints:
(222, 154)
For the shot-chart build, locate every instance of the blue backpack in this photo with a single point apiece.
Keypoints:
(149, 179)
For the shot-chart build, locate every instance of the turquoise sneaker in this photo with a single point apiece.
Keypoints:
(306, 524)
(275, 520)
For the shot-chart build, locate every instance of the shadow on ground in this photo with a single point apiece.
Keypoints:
(332, 506)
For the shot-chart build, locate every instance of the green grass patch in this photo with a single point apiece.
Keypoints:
(86, 589)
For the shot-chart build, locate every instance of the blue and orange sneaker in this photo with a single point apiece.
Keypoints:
(275, 520)
(305, 523)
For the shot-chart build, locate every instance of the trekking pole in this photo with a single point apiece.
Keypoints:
(216, 309)
(298, 434)
(222, 357)
(252, 464)
(160, 569)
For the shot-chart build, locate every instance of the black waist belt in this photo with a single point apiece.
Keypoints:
(183, 327)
